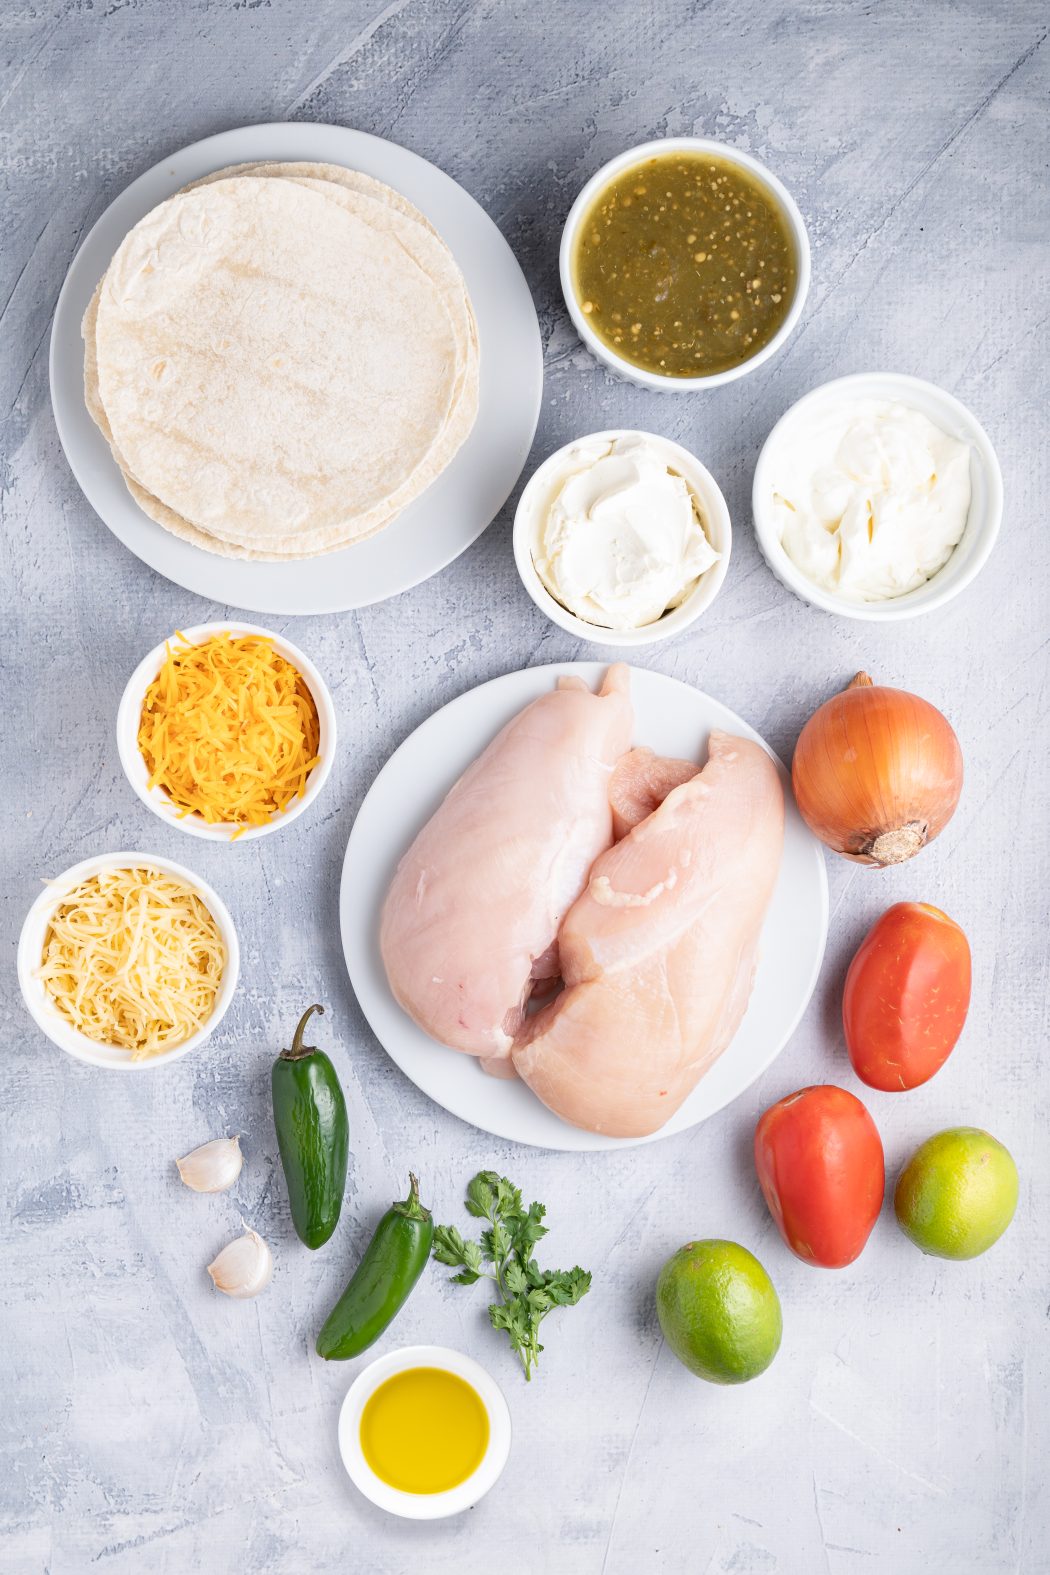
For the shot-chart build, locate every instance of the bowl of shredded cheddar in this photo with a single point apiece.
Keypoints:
(128, 960)
(226, 731)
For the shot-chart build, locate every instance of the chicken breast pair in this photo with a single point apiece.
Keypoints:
(638, 882)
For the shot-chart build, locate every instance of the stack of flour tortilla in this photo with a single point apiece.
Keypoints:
(281, 358)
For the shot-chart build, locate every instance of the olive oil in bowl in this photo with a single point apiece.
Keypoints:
(425, 1430)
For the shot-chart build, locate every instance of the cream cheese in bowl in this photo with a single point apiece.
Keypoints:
(622, 537)
(620, 540)
(870, 498)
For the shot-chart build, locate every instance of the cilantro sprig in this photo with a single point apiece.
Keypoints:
(528, 1293)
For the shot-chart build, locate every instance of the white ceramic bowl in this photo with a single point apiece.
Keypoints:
(982, 523)
(31, 947)
(647, 150)
(528, 519)
(130, 712)
(424, 1506)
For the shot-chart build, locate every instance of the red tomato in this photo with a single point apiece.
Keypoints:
(906, 997)
(820, 1165)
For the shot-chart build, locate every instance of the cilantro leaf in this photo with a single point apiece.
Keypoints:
(449, 1245)
(530, 1229)
(496, 1242)
(566, 1288)
(514, 1278)
(481, 1195)
(528, 1293)
(509, 1197)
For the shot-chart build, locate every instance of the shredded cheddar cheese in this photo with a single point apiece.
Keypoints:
(133, 958)
(229, 730)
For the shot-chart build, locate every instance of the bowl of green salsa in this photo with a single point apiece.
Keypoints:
(684, 264)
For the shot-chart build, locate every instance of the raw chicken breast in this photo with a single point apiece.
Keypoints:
(658, 953)
(640, 783)
(472, 915)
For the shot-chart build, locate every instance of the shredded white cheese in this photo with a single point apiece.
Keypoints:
(133, 958)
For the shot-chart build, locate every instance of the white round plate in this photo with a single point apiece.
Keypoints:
(453, 511)
(672, 718)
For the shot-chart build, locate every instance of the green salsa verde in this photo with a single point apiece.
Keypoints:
(684, 265)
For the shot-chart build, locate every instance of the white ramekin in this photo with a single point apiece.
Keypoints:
(424, 1506)
(130, 712)
(698, 145)
(31, 948)
(528, 522)
(982, 523)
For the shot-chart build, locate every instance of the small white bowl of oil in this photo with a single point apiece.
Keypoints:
(424, 1432)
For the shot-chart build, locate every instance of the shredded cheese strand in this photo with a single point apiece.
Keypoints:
(229, 730)
(133, 958)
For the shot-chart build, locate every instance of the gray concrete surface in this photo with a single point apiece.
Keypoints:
(150, 1425)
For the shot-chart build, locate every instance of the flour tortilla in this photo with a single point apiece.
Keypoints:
(441, 265)
(428, 249)
(302, 546)
(152, 507)
(265, 358)
(458, 426)
(350, 180)
(374, 383)
(432, 255)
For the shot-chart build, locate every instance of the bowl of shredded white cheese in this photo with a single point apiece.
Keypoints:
(877, 496)
(128, 961)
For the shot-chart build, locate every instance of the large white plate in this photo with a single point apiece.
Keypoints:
(673, 719)
(452, 512)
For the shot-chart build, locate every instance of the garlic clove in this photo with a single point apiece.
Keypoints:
(244, 1268)
(214, 1167)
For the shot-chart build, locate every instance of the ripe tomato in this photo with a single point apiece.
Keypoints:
(906, 997)
(820, 1165)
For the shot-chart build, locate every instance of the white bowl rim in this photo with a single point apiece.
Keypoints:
(424, 1506)
(716, 514)
(925, 598)
(30, 942)
(130, 707)
(792, 214)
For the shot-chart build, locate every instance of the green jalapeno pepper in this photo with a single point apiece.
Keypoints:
(313, 1135)
(393, 1261)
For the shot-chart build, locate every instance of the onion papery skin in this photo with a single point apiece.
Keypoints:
(877, 773)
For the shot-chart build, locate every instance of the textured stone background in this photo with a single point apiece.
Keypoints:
(151, 1425)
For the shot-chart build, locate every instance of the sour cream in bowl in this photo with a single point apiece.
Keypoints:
(622, 538)
(877, 496)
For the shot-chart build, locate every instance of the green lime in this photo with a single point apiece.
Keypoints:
(957, 1193)
(719, 1311)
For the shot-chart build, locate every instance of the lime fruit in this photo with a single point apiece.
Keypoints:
(719, 1311)
(957, 1193)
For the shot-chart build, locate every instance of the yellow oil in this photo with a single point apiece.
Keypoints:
(424, 1430)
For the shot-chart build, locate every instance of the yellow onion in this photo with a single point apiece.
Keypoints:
(877, 773)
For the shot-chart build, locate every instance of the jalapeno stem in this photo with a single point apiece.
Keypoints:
(299, 1050)
(412, 1209)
